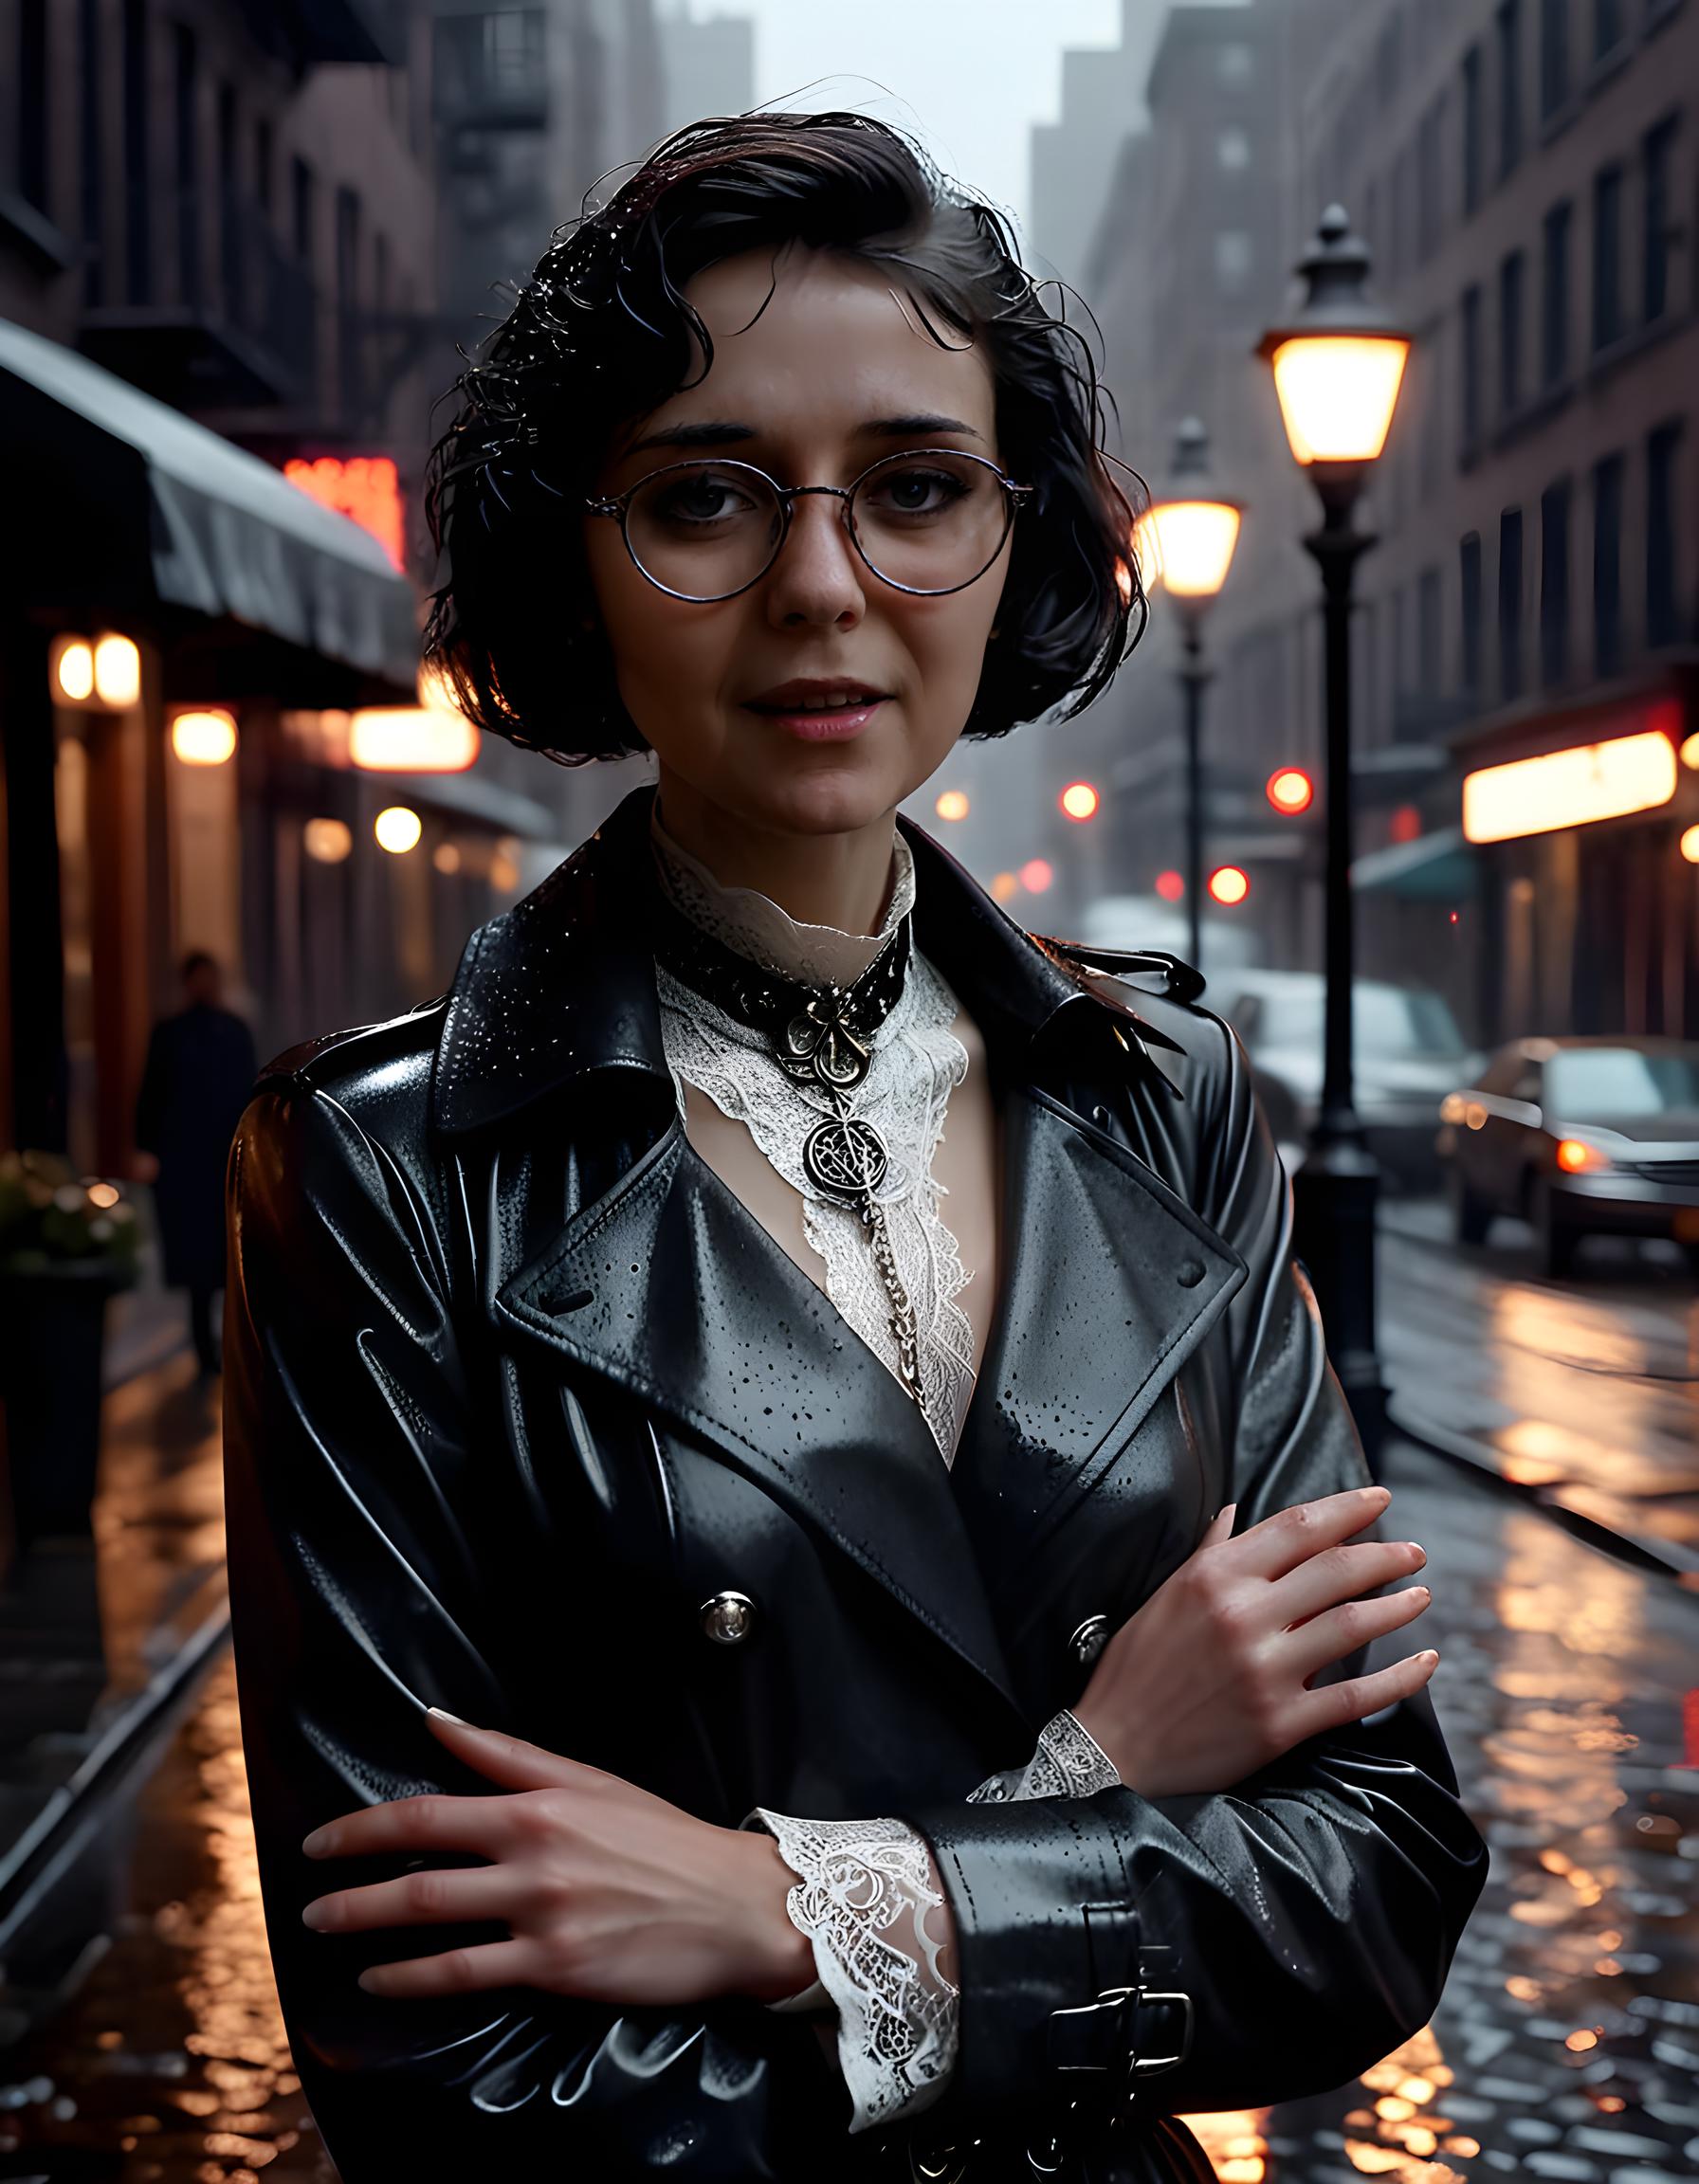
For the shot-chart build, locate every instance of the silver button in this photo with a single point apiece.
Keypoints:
(727, 1618)
(998, 1791)
(1045, 2156)
(1089, 1638)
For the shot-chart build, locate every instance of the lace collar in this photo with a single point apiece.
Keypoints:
(764, 930)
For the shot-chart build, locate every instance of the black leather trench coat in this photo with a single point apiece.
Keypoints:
(514, 1386)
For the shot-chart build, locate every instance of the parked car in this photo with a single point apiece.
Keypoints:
(1580, 1137)
(1407, 1053)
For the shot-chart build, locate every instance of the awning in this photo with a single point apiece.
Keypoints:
(224, 534)
(1436, 868)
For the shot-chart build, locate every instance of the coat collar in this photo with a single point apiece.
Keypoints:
(667, 1287)
(562, 984)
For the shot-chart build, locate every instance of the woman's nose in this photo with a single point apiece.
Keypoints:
(818, 574)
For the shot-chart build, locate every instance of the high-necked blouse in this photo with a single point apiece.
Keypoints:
(867, 1892)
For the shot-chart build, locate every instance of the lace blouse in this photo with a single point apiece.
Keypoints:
(866, 1889)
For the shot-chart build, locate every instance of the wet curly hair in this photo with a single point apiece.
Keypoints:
(601, 336)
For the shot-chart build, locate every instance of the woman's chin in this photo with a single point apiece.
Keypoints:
(818, 795)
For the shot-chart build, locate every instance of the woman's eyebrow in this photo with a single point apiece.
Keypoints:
(717, 433)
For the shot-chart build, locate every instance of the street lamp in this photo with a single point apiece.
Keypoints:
(1338, 366)
(1188, 538)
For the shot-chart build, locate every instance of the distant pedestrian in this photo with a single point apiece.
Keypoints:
(201, 1065)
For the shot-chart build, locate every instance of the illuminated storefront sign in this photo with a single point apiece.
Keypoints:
(1569, 788)
(365, 487)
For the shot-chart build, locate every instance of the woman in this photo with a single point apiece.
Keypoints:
(901, 1595)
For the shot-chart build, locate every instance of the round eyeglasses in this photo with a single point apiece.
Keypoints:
(929, 521)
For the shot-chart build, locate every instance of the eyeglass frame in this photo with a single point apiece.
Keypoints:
(1014, 498)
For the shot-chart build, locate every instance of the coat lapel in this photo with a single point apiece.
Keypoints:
(668, 1286)
(1110, 1282)
(664, 1285)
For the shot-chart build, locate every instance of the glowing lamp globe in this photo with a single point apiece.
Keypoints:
(1339, 361)
(1185, 540)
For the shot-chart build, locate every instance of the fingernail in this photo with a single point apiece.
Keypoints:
(1222, 1511)
(1430, 1655)
(443, 1714)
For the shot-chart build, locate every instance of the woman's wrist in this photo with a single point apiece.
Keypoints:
(776, 1957)
(1111, 1739)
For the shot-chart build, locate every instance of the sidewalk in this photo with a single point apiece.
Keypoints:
(102, 1641)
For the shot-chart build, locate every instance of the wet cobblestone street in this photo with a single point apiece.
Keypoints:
(1567, 2046)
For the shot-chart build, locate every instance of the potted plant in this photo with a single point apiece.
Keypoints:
(67, 1244)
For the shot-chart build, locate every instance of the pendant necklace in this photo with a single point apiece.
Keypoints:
(821, 1036)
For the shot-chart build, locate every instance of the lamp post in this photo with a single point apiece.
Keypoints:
(1337, 365)
(1189, 538)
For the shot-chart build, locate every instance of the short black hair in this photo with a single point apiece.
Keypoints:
(599, 336)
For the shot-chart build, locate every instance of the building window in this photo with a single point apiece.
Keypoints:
(1469, 614)
(301, 196)
(1236, 66)
(1607, 566)
(1469, 363)
(1232, 149)
(1430, 634)
(1607, 255)
(138, 230)
(92, 141)
(1233, 259)
(1553, 582)
(1662, 622)
(1660, 230)
(229, 229)
(1554, 316)
(1509, 21)
(348, 325)
(185, 79)
(1509, 605)
(1554, 56)
(1609, 26)
(1430, 174)
(1511, 283)
(1471, 129)
(32, 103)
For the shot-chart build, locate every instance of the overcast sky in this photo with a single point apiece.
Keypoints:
(968, 77)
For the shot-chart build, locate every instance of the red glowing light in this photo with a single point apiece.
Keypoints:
(1228, 884)
(1037, 875)
(363, 488)
(1290, 790)
(1170, 886)
(1079, 800)
(1406, 824)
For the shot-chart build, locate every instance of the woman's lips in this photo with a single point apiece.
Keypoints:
(818, 725)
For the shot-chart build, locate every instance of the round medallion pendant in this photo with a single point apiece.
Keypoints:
(845, 1158)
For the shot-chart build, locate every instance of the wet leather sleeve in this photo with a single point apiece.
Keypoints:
(358, 1600)
(1311, 1912)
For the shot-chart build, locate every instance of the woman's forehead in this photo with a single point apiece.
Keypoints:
(817, 348)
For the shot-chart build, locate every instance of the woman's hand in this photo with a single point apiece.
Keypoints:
(612, 1893)
(1209, 1679)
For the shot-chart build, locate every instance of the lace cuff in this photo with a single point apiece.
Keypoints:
(864, 1891)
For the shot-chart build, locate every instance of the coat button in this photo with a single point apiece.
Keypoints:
(1046, 2156)
(1191, 1273)
(1101, 1117)
(1089, 1638)
(727, 1618)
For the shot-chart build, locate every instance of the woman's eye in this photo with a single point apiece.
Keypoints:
(917, 492)
(701, 501)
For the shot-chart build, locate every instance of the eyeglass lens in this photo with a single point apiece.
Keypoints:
(930, 523)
